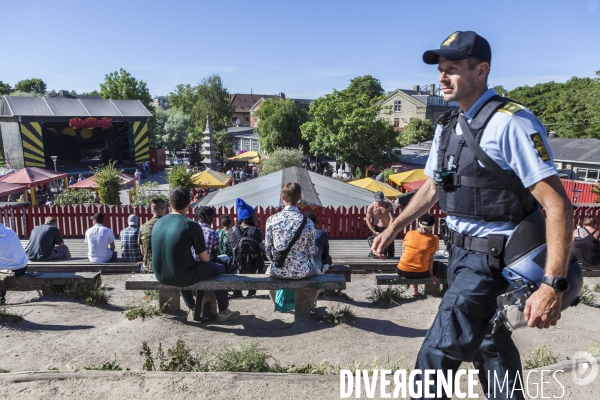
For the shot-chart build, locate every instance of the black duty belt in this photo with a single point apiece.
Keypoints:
(471, 243)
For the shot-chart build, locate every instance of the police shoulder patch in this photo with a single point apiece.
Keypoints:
(538, 142)
(511, 108)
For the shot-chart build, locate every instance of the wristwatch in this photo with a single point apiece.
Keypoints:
(560, 283)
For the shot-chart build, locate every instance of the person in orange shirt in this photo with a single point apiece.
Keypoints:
(419, 247)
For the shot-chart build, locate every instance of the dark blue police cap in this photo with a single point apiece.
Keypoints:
(459, 46)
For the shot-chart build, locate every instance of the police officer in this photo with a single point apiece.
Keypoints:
(484, 203)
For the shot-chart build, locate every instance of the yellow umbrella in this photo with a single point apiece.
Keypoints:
(249, 156)
(408, 176)
(210, 179)
(376, 186)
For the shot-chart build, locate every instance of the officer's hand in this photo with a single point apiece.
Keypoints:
(542, 309)
(381, 241)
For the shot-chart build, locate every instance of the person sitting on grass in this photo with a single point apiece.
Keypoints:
(46, 242)
(418, 249)
(173, 262)
(280, 230)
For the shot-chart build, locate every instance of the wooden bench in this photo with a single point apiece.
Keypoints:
(303, 287)
(430, 288)
(590, 270)
(37, 280)
(335, 269)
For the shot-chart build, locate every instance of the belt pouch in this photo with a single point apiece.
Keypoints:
(495, 251)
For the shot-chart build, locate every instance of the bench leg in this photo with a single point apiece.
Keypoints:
(432, 290)
(165, 295)
(303, 302)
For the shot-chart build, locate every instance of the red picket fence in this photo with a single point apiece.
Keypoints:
(73, 221)
(586, 196)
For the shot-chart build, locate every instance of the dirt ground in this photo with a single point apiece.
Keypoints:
(69, 335)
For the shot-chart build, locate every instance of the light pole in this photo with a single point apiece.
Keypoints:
(576, 193)
(54, 158)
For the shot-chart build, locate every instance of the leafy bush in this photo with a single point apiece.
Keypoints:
(109, 183)
(587, 297)
(540, 358)
(386, 174)
(143, 194)
(146, 309)
(385, 297)
(107, 366)
(180, 177)
(75, 196)
(358, 173)
(281, 159)
(338, 315)
(93, 295)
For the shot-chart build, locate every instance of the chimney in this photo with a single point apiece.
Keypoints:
(65, 93)
(432, 90)
(416, 88)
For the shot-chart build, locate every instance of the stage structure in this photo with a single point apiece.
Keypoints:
(75, 130)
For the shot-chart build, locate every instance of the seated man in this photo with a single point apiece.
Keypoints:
(101, 242)
(159, 209)
(586, 244)
(130, 249)
(46, 242)
(322, 259)
(12, 255)
(172, 238)
(280, 230)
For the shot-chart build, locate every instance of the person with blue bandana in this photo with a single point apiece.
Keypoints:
(490, 167)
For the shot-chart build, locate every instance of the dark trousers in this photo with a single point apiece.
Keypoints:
(17, 272)
(207, 270)
(461, 330)
(439, 270)
(238, 293)
(390, 250)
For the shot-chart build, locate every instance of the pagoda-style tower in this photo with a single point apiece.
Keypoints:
(208, 146)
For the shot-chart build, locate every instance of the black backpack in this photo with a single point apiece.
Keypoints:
(246, 251)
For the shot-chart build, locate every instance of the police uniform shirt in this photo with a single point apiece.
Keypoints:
(516, 140)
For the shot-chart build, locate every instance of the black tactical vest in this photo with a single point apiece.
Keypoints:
(475, 192)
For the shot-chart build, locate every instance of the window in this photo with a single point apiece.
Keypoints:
(592, 175)
(255, 145)
(581, 173)
(247, 145)
(397, 106)
(239, 99)
(396, 122)
(589, 175)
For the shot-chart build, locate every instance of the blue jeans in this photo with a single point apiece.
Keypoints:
(17, 272)
(207, 270)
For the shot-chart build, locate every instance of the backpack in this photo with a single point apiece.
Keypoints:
(246, 252)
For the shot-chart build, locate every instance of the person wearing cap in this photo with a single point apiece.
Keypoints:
(485, 198)
(380, 214)
(173, 263)
(100, 241)
(418, 249)
(247, 226)
(130, 249)
(46, 242)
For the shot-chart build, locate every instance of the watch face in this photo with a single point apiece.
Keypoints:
(562, 284)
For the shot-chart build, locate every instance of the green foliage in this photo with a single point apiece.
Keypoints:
(594, 349)
(109, 183)
(278, 125)
(500, 90)
(152, 294)
(175, 130)
(4, 371)
(248, 358)
(587, 297)
(74, 196)
(223, 145)
(9, 316)
(144, 193)
(5, 88)
(597, 288)
(92, 93)
(34, 85)
(145, 309)
(208, 97)
(365, 86)
(21, 93)
(93, 295)
(180, 177)
(386, 174)
(121, 85)
(281, 159)
(345, 127)
(156, 126)
(358, 173)
(417, 130)
(53, 369)
(384, 297)
(335, 293)
(178, 359)
(337, 315)
(107, 366)
(376, 364)
(540, 358)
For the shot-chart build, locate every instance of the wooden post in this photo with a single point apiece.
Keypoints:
(173, 295)
(66, 182)
(32, 192)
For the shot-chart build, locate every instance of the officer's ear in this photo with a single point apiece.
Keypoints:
(483, 70)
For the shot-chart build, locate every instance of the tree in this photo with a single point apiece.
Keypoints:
(34, 85)
(223, 144)
(179, 176)
(365, 85)
(120, 85)
(175, 130)
(5, 88)
(156, 126)
(109, 183)
(280, 159)
(279, 125)
(92, 93)
(208, 97)
(417, 130)
(142, 195)
(499, 89)
(345, 127)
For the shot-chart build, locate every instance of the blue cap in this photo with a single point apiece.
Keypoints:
(244, 210)
(459, 46)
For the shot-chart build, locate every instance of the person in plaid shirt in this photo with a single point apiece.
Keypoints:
(130, 249)
(204, 217)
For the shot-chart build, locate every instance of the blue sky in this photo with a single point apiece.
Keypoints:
(305, 48)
